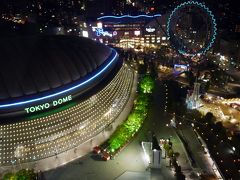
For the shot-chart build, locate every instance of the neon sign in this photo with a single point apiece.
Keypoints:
(181, 67)
(129, 16)
(47, 105)
(112, 59)
(210, 15)
(150, 29)
(99, 32)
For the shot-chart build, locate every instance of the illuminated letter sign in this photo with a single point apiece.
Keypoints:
(150, 29)
(99, 32)
(47, 105)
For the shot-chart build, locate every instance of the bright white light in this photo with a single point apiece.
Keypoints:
(99, 25)
(146, 156)
(137, 33)
(150, 29)
(85, 33)
(108, 113)
(164, 38)
(222, 57)
(94, 28)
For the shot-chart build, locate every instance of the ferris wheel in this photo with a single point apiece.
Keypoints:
(191, 28)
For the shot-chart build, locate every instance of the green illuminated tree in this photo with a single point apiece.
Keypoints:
(147, 84)
(166, 146)
(10, 176)
(22, 174)
(25, 174)
(170, 152)
(128, 129)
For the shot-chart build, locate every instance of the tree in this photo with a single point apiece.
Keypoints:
(142, 69)
(10, 176)
(178, 170)
(235, 143)
(147, 84)
(191, 78)
(179, 174)
(166, 146)
(209, 118)
(221, 130)
(22, 174)
(25, 174)
(170, 153)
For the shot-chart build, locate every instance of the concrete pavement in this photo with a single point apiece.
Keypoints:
(131, 159)
(197, 151)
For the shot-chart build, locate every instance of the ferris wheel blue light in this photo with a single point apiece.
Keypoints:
(129, 16)
(213, 20)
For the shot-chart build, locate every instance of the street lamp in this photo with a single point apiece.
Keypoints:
(234, 149)
(18, 153)
(13, 167)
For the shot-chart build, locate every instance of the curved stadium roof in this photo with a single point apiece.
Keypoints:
(40, 65)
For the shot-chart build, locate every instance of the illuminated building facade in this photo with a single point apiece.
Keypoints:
(80, 93)
(131, 31)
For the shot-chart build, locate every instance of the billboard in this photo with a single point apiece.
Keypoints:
(181, 67)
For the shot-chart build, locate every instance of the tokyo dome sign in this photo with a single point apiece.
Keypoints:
(48, 105)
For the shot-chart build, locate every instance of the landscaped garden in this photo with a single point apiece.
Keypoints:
(23, 174)
(130, 127)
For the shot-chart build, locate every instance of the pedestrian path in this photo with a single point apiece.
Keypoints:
(159, 120)
(135, 176)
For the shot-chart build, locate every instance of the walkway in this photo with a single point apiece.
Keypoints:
(159, 120)
(130, 159)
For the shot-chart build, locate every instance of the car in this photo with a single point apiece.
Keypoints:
(97, 150)
(105, 156)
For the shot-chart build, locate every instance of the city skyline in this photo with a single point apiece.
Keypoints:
(119, 89)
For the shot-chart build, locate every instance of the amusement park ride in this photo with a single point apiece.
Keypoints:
(192, 30)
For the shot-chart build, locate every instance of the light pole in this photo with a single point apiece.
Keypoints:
(18, 154)
(107, 116)
(56, 152)
(13, 166)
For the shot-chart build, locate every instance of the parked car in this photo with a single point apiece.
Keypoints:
(97, 150)
(105, 156)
